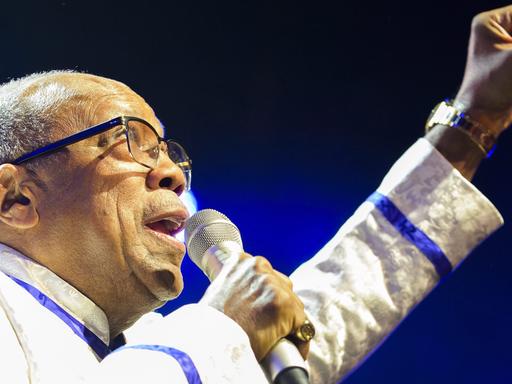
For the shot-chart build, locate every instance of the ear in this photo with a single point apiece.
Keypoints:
(17, 200)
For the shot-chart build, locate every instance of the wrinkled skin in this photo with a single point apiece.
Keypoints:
(88, 225)
(260, 299)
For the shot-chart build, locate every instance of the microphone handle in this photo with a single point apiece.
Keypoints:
(292, 375)
(284, 363)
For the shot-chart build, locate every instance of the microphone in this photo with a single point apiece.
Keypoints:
(213, 241)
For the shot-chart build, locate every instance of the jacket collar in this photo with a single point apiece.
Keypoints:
(79, 306)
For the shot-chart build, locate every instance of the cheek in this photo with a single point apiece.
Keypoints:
(116, 215)
(112, 229)
(122, 208)
(103, 214)
(114, 197)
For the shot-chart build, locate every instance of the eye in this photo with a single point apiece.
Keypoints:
(118, 134)
(102, 140)
(152, 151)
(108, 138)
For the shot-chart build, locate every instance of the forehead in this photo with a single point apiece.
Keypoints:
(129, 104)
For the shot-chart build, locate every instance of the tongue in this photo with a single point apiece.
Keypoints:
(159, 226)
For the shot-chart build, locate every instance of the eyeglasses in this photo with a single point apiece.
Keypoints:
(144, 145)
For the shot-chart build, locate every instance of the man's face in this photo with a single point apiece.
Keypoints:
(110, 222)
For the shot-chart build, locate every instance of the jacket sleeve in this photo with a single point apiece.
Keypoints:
(422, 221)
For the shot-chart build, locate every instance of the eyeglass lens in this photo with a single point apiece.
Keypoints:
(145, 148)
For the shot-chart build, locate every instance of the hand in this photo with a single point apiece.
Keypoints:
(486, 89)
(260, 299)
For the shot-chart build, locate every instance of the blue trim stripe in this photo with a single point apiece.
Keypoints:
(187, 365)
(412, 233)
(99, 347)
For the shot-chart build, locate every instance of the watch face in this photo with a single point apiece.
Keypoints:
(446, 114)
(443, 114)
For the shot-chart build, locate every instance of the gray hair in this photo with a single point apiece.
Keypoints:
(35, 108)
(27, 114)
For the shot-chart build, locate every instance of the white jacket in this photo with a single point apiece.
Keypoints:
(420, 224)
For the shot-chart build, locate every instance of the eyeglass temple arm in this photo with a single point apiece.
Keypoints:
(59, 144)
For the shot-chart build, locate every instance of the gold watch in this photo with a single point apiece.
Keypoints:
(451, 115)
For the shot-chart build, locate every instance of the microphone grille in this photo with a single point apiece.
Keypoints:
(207, 228)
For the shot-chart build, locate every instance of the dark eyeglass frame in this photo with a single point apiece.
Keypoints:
(185, 164)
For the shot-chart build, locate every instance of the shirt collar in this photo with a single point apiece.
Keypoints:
(16, 264)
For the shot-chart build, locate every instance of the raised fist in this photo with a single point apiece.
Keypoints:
(486, 89)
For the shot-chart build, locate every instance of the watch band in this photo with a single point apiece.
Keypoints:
(451, 115)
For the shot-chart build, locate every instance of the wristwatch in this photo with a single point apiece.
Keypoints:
(453, 115)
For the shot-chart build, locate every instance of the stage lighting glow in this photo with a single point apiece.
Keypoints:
(190, 202)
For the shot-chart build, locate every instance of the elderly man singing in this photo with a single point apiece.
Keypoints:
(89, 193)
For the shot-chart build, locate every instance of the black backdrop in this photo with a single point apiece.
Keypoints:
(292, 112)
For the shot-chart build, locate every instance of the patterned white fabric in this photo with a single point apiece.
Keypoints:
(218, 347)
(368, 277)
(37, 340)
(356, 290)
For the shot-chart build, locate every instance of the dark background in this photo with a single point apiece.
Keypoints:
(292, 112)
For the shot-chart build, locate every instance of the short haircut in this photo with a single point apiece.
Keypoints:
(36, 108)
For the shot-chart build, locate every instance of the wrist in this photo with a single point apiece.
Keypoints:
(453, 114)
(457, 147)
(494, 120)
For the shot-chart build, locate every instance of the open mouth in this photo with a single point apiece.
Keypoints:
(168, 226)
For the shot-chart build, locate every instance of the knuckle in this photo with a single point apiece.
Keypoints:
(264, 280)
(288, 281)
(480, 20)
(262, 287)
(280, 300)
(261, 263)
(245, 256)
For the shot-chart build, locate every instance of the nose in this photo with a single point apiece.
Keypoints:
(166, 175)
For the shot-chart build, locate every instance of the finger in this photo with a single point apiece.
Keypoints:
(234, 265)
(303, 347)
(245, 256)
(285, 279)
(503, 17)
(244, 260)
(262, 264)
(266, 266)
(299, 316)
(498, 22)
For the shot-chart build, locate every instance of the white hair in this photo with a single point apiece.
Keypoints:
(35, 108)
(28, 112)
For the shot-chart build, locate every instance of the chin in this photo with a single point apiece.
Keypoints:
(158, 272)
(167, 285)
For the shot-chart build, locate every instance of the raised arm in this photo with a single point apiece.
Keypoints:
(485, 95)
(421, 222)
